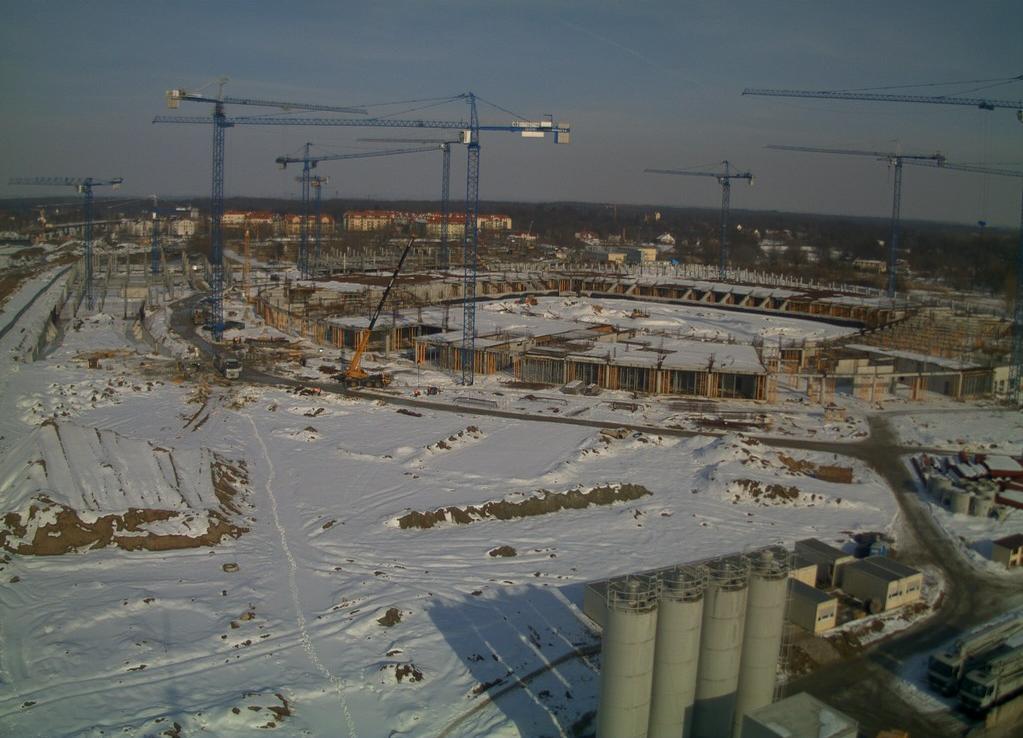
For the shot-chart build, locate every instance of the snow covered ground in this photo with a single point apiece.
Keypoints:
(326, 618)
(687, 321)
(987, 430)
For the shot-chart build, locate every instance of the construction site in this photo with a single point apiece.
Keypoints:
(383, 456)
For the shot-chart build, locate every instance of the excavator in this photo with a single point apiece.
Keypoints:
(355, 376)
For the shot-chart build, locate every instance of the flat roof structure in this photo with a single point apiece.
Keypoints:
(798, 716)
(1014, 541)
(884, 568)
(812, 549)
(805, 591)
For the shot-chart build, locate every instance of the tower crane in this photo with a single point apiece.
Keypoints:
(309, 162)
(317, 183)
(445, 184)
(215, 304)
(725, 180)
(84, 186)
(472, 129)
(1016, 370)
(1016, 360)
(984, 103)
(893, 158)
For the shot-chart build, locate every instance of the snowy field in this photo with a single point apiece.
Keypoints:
(326, 617)
(988, 430)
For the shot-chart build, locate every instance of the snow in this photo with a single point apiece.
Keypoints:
(321, 563)
(988, 429)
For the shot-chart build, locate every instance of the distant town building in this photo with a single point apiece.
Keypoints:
(871, 265)
(293, 225)
(374, 220)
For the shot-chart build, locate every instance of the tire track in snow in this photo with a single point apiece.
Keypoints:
(307, 642)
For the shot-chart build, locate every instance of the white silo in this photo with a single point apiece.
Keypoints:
(765, 623)
(627, 663)
(724, 617)
(677, 651)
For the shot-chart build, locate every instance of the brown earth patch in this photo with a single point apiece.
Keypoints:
(502, 551)
(69, 532)
(390, 618)
(543, 503)
(824, 472)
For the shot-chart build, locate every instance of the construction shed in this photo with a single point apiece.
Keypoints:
(813, 610)
(830, 560)
(881, 583)
(1008, 551)
(798, 716)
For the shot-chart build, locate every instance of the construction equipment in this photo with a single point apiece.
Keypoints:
(1016, 362)
(895, 158)
(471, 129)
(725, 180)
(445, 184)
(995, 681)
(317, 183)
(983, 103)
(309, 162)
(1016, 368)
(945, 671)
(215, 317)
(355, 375)
(84, 186)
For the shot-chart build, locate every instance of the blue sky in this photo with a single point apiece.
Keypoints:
(644, 84)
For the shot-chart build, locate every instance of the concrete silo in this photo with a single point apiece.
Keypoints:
(677, 651)
(627, 666)
(765, 623)
(724, 617)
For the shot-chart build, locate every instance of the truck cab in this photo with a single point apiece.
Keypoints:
(229, 366)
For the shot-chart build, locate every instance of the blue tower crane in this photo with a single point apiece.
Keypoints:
(1016, 362)
(891, 157)
(984, 103)
(309, 162)
(215, 303)
(84, 186)
(1016, 367)
(317, 183)
(725, 180)
(445, 184)
(473, 127)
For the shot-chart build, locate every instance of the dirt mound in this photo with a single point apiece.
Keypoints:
(837, 474)
(762, 493)
(51, 528)
(543, 502)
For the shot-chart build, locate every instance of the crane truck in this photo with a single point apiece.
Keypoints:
(995, 681)
(355, 375)
(945, 671)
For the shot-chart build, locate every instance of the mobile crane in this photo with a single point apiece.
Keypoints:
(355, 375)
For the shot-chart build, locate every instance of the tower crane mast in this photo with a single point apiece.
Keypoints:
(893, 158)
(445, 183)
(1016, 359)
(309, 162)
(84, 186)
(470, 245)
(215, 303)
(725, 180)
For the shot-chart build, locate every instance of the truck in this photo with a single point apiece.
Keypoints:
(229, 366)
(945, 671)
(355, 375)
(997, 680)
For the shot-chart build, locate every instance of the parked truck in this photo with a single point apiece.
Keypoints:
(997, 680)
(229, 366)
(945, 671)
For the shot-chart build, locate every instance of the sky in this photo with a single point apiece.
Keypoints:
(643, 85)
